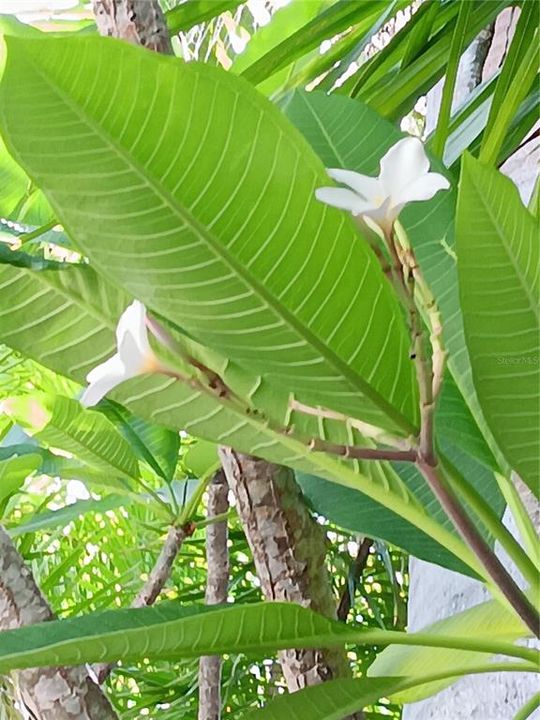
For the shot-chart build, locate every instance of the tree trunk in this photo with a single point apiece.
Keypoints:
(140, 22)
(217, 585)
(48, 693)
(289, 550)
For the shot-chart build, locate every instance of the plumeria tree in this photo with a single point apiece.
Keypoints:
(192, 265)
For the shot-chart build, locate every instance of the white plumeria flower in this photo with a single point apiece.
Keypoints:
(404, 177)
(134, 356)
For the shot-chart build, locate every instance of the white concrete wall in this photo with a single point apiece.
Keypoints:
(436, 593)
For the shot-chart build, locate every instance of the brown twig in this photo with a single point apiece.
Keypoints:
(217, 585)
(352, 452)
(490, 562)
(355, 573)
(157, 579)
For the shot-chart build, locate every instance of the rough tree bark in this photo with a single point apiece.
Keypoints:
(140, 22)
(217, 585)
(288, 545)
(289, 550)
(54, 693)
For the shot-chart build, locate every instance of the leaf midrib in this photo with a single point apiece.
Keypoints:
(352, 378)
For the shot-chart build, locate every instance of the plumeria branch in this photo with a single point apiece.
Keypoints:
(157, 580)
(429, 373)
(405, 177)
(135, 356)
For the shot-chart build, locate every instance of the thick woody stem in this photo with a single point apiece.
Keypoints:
(429, 374)
(490, 562)
(54, 693)
(157, 579)
(140, 22)
(289, 551)
(217, 585)
(422, 363)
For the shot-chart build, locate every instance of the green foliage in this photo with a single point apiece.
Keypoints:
(189, 190)
(156, 445)
(349, 509)
(186, 15)
(517, 76)
(394, 92)
(13, 471)
(329, 701)
(175, 631)
(456, 50)
(350, 135)
(62, 423)
(195, 271)
(337, 18)
(501, 310)
(84, 309)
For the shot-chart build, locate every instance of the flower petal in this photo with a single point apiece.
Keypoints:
(341, 198)
(102, 379)
(133, 359)
(382, 216)
(424, 188)
(369, 188)
(133, 321)
(404, 163)
(112, 366)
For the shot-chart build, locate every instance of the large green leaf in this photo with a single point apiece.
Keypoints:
(158, 446)
(80, 316)
(13, 472)
(337, 699)
(358, 513)
(495, 232)
(51, 519)
(171, 630)
(13, 183)
(332, 700)
(487, 620)
(185, 15)
(222, 235)
(19, 200)
(63, 423)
